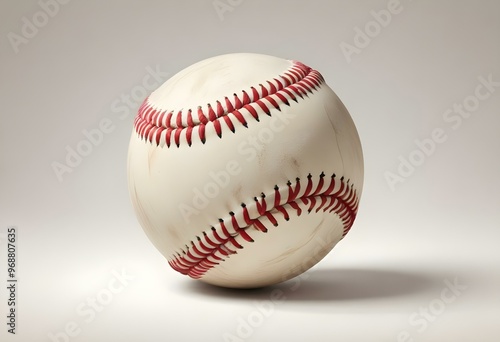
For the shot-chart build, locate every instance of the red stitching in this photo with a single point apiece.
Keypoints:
(338, 197)
(150, 122)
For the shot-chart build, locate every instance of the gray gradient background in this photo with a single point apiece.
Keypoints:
(441, 223)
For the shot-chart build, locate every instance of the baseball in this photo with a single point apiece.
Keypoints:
(245, 170)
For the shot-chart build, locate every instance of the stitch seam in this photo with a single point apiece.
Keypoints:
(167, 127)
(221, 240)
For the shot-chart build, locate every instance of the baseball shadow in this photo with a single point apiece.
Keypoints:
(334, 285)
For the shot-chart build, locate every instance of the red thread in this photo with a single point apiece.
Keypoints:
(277, 196)
(201, 132)
(273, 102)
(280, 85)
(229, 123)
(201, 116)
(218, 128)
(178, 121)
(289, 93)
(244, 235)
(240, 118)
(229, 105)
(177, 136)
(252, 111)
(255, 94)
(216, 245)
(272, 88)
(220, 110)
(237, 101)
(263, 91)
(297, 81)
(168, 124)
(263, 106)
(211, 113)
(257, 224)
(246, 98)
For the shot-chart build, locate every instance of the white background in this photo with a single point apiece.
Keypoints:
(75, 233)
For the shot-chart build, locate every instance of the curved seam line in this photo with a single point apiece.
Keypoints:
(150, 123)
(345, 194)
